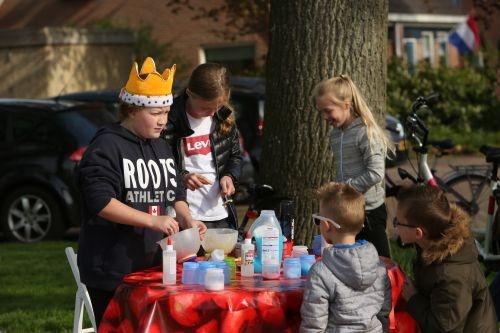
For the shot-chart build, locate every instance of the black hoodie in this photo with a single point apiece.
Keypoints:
(141, 174)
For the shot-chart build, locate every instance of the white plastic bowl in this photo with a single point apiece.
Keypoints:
(224, 239)
(186, 243)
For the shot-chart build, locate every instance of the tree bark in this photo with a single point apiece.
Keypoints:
(310, 41)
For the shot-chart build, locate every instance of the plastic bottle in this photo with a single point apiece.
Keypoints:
(271, 259)
(169, 264)
(247, 256)
(267, 218)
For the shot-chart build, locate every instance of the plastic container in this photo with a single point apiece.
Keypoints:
(214, 279)
(169, 275)
(217, 255)
(306, 261)
(186, 243)
(227, 273)
(292, 268)
(247, 257)
(231, 264)
(223, 238)
(202, 270)
(189, 269)
(319, 245)
(299, 250)
(267, 218)
(269, 253)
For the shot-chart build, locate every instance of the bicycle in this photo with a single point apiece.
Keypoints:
(487, 237)
(465, 185)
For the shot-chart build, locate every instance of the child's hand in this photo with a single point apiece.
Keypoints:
(194, 181)
(165, 224)
(226, 186)
(200, 225)
(408, 289)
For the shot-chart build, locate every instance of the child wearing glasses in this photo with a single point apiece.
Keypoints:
(450, 293)
(360, 147)
(348, 290)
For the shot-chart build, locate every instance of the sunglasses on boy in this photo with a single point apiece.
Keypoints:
(318, 218)
(396, 223)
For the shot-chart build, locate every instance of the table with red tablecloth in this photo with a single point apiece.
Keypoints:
(143, 304)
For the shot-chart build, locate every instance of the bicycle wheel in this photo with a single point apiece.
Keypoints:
(475, 191)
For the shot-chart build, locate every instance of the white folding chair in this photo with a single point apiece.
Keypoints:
(82, 297)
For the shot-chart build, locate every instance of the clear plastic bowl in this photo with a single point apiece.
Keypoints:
(186, 243)
(224, 239)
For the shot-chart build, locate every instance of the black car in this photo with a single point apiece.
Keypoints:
(41, 143)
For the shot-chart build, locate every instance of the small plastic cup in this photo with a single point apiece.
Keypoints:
(292, 268)
(299, 250)
(189, 269)
(222, 265)
(201, 271)
(214, 279)
(232, 267)
(306, 261)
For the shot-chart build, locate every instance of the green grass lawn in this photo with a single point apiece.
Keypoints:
(37, 289)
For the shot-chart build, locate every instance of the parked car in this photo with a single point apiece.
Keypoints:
(41, 142)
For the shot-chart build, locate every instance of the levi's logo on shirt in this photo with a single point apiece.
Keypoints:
(197, 145)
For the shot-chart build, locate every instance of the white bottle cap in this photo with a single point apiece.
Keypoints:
(170, 245)
(248, 239)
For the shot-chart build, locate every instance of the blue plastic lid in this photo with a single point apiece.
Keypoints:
(206, 264)
(308, 257)
(190, 265)
(220, 264)
(292, 261)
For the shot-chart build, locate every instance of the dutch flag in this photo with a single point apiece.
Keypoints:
(465, 37)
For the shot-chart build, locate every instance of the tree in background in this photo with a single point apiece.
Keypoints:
(238, 18)
(310, 41)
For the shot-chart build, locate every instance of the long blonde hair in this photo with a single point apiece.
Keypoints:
(210, 81)
(343, 90)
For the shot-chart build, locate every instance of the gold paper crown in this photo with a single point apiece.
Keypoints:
(154, 90)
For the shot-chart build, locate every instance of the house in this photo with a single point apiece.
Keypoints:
(418, 30)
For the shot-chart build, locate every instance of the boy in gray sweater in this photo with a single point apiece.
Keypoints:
(348, 290)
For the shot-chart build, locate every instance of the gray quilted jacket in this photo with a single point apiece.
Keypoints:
(347, 291)
(359, 163)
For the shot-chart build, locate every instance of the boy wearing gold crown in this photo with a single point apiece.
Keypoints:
(128, 178)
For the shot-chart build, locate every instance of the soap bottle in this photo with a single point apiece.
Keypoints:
(247, 256)
(169, 264)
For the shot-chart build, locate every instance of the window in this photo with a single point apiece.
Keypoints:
(3, 126)
(238, 59)
(442, 38)
(410, 48)
(428, 46)
(28, 125)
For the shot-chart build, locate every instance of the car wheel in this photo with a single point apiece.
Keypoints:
(30, 214)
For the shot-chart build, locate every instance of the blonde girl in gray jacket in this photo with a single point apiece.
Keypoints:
(360, 147)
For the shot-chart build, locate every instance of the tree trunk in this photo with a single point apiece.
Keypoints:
(310, 41)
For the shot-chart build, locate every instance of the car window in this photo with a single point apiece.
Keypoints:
(3, 126)
(83, 124)
(30, 124)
